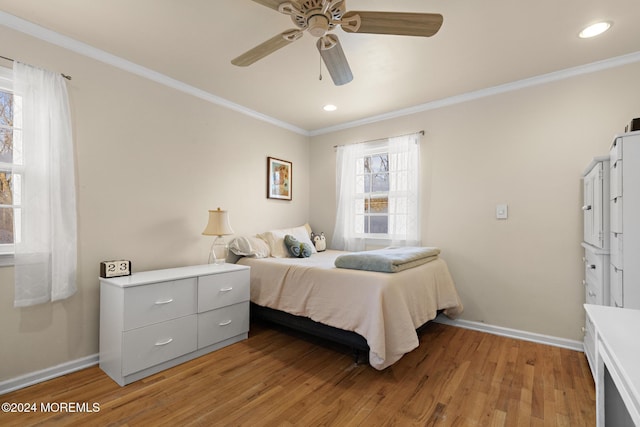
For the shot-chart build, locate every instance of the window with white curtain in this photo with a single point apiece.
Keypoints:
(40, 180)
(377, 189)
(10, 166)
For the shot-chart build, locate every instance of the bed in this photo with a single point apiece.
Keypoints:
(370, 311)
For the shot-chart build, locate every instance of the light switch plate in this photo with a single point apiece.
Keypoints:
(502, 211)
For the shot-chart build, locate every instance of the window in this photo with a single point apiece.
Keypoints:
(10, 164)
(377, 193)
(42, 186)
(372, 188)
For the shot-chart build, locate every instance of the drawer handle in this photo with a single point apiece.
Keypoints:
(228, 322)
(230, 288)
(592, 294)
(591, 266)
(618, 305)
(166, 301)
(586, 208)
(165, 342)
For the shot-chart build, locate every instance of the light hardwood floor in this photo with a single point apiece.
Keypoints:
(457, 377)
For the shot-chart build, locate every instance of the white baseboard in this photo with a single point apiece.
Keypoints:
(85, 362)
(47, 374)
(512, 333)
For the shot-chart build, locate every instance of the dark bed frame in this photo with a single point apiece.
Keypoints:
(356, 342)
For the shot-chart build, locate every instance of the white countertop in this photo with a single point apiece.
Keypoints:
(619, 331)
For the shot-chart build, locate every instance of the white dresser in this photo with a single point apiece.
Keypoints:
(153, 320)
(595, 180)
(624, 158)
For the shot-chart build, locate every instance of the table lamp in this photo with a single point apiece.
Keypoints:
(218, 226)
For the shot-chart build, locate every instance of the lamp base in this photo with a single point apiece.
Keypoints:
(213, 260)
(219, 251)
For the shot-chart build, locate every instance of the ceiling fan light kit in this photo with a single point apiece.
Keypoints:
(319, 17)
(318, 25)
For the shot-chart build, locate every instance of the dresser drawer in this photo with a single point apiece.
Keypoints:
(151, 345)
(616, 249)
(617, 287)
(594, 265)
(226, 322)
(589, 343)
(615, 153)
(615, 213)
(615, 180)
(158, 302)
(219, 290)
(592, 293)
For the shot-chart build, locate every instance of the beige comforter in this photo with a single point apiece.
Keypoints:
(385, 308)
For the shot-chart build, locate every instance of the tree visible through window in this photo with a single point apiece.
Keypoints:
(373, 185)
(377, 192)
(10, 160)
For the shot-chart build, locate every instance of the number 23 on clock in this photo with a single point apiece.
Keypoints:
(115, 268)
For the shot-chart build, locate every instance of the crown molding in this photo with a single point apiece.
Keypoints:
(593, 67)
(84, 49)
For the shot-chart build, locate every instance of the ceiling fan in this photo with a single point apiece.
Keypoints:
(319, 17)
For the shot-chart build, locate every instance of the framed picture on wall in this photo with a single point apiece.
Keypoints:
(279, 179)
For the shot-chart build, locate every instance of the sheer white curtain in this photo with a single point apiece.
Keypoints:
(46, 255)
(348, 203)
(403, 196)
(404, 190)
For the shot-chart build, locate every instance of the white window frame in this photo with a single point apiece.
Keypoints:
(7, 250)
(377, 149)
(403, 195)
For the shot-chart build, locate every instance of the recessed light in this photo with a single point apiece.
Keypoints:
(594, 30)
(329, 107)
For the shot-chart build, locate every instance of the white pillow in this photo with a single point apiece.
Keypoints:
(275, 239)
(250, 246)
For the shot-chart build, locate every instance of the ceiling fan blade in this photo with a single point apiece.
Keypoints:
(333, 57)
(397, 23)
(275, 4)
(266, 48)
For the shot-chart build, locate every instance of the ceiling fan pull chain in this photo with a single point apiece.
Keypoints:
(320, 68)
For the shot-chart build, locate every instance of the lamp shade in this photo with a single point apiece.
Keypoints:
(218, 224)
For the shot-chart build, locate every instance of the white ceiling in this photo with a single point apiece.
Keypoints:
(482, 44)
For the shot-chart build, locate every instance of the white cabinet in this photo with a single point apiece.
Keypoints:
(624, 201)
(596, 275)
(595, 203)
(595, 208)
(617, 371)
(153, 320)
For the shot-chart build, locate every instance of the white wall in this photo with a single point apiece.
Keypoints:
(150, 162)
(527, 148)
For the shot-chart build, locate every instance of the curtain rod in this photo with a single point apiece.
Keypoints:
(13, 60)
(421, 132)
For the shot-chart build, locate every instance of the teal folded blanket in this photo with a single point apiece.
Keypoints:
(388, 260)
